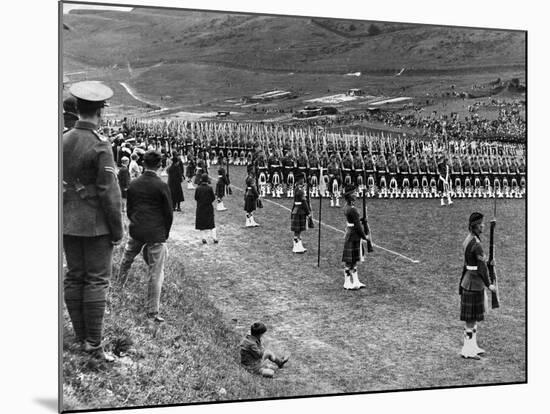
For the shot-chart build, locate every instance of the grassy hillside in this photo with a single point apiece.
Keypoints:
(145, 37)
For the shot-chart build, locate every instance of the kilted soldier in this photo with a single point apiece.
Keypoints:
(92, 219)
(301, 164)
(467, 175)
(204, 215)
(347, 167)
(334, 181)
(288, 172)
(444, 180)
(313, 173)
(355, 234)
(404, 176)
(476, 173)
(475, 277)
(275, 177)
(415, 172)
(393, 171)
(370, 170)
(423, 175)
(221, 188)
(358, 172)
(299, 214)
(456, 174)
(190, 171)
(251, 196)
(381, 172)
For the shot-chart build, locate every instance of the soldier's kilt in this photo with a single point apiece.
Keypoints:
(472, 305)
(352, 250)
(298, 221)
(250, 204)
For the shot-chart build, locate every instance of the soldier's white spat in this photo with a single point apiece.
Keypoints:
(333, 228)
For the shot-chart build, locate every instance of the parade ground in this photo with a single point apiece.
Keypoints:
(401, 332)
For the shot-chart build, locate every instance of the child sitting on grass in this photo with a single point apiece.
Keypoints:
(253, 356)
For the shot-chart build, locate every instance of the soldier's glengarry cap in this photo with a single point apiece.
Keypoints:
(92, 93)
(475, 218)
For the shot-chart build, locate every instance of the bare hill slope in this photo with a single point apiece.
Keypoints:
(145, 37)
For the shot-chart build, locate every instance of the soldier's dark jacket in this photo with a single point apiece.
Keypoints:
(473, 257)
(91, 193)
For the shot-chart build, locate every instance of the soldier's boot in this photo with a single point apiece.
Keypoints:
(355, 282)
(449, 200)
(220, 206)
(468, 349)
(442, 202)
(249, 221)
(74, 307)
(253, 222)
(93, 313)
(337, 202)
(347, 279)
(477, 349)
(301, 246)
(332, 202)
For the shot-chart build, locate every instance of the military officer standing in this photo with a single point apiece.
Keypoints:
(92, 219)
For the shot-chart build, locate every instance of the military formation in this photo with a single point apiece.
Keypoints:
(380, 166)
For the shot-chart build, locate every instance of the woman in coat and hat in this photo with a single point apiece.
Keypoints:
(355, 235)
(204, 218)
(175, 178)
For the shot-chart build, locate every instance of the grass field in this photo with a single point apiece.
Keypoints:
(401, 332)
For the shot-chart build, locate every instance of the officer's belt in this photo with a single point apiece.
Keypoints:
(350, 225)
(471, 267)
(70, 193)
(298, 203)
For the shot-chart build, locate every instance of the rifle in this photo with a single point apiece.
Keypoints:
(495, 302)
(364, 219)
(310, 219)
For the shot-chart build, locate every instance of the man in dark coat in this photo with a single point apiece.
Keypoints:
(150, 213)
(204, 219)
(175, 178)
(92, 220)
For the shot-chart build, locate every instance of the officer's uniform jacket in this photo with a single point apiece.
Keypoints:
(91, 194)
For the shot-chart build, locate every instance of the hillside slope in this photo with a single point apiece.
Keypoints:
(145, 37)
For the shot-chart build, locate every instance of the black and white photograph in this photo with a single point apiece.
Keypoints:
(257, 205)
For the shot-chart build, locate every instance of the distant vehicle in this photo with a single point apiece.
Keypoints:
(354, 92)
(311, 111)
(223, 114)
